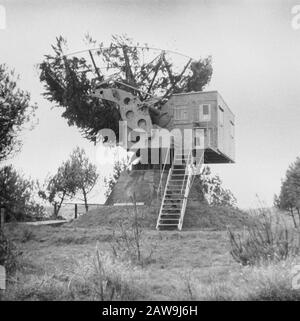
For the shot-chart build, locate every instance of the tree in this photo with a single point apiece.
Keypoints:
(15, 111)
(75, 176)
(17, 195)
(68, 80)
(110, 181)
(84, 173)
(210, 189)
(289, 197)
(59, 186)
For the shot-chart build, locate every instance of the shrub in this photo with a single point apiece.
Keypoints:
(17, 196)
(129, 243)
(210, 189)
(264, 240)
(27, 235)
(9, 254)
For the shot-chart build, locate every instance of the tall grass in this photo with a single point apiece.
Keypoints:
(264, 282)
(268, 238)
(99, 277)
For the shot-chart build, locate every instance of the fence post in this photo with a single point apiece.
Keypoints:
(2, 218)
(76, 211)
(55, 210)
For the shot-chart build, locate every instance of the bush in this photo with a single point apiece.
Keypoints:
(129, 244)
(264, 240)
(17, 196)
(9, 254)
(27, 235)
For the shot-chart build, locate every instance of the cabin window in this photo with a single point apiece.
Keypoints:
(221, 116)
(180, 113)
(231, 129)
(204, 112)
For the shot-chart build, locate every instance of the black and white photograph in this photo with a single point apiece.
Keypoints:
(149, 152)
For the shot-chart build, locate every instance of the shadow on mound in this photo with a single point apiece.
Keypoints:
(213, 217)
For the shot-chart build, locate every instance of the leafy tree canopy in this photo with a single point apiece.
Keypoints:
(68, 79)
(76, 176)
(289, 197)
(85, 174)
(17, 195)
(210, 189)
(58, 187)
(15, 111)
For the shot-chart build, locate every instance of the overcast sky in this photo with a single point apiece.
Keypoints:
(256, 61)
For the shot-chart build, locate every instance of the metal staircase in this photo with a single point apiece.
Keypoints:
(179, 182)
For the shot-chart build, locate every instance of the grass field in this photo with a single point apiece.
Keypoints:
(75, 262)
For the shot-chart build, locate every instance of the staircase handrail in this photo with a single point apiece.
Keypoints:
(162, 173)
(164, 196)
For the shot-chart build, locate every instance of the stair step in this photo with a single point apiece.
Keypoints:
(167, 211)
(167, 228)
(175, 192)
(172, 218)
(176, 185)
(167, 224)
(176, 197)
(173, 203)
(168, 208)
(171, 192)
